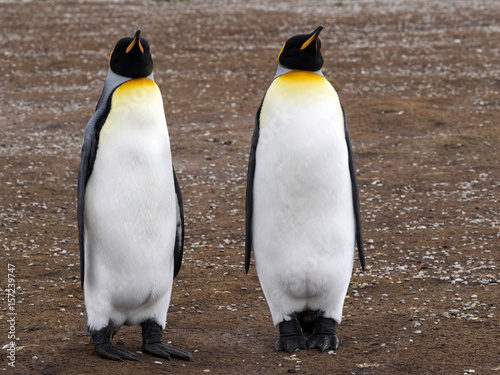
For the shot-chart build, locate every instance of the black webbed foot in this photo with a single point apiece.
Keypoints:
(323, 336)
(291, 337)
(152, 343)
(105, 350)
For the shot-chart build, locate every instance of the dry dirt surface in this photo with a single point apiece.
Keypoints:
(420, 82)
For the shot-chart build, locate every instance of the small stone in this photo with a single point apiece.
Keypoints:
(157, 363)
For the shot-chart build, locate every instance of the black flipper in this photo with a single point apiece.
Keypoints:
(355, 196)
(249, 195)
(179, 231)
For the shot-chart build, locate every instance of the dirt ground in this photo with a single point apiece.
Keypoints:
(420, 83)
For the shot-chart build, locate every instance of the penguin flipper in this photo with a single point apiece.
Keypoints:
(82, 173)
(179, 231)
(249, 193)
(355, 195)
(89, 151)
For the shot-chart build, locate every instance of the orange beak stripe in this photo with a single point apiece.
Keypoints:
(308, 41)
(131, 45)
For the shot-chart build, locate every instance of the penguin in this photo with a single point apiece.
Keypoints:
(303, 217)
(130, 212)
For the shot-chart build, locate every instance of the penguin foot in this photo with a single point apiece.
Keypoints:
(104, 349)
(152, 343)
(162, 350)
(324, 336)
(291, 337)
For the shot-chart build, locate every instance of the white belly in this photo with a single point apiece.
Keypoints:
(303, 220)
(130, 218)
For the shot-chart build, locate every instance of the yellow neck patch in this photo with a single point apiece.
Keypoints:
(297, 90)
(134, 103)
(302, 76)
(302, 84)
(138, 84)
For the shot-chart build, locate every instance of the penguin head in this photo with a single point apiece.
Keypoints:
(131, 57)
(302, 52)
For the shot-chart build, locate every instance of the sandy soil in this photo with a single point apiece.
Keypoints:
(420, 83)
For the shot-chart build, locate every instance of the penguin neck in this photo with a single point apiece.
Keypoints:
(282, 70)
(116, 80)
(113, 80)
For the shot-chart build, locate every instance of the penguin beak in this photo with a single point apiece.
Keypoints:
(312, 38)
(136, 40)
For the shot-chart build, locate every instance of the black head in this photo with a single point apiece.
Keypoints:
(131, 57)
(302, 52)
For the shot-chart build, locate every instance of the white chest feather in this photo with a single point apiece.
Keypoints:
(303, 218)
(130, 207)
(302, 157)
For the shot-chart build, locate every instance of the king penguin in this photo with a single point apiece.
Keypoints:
(302, 202)
(130, 213)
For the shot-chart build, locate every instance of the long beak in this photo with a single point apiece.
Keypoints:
(312, 38)
(136, 40)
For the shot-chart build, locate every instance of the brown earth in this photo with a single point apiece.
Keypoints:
(420, 83)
